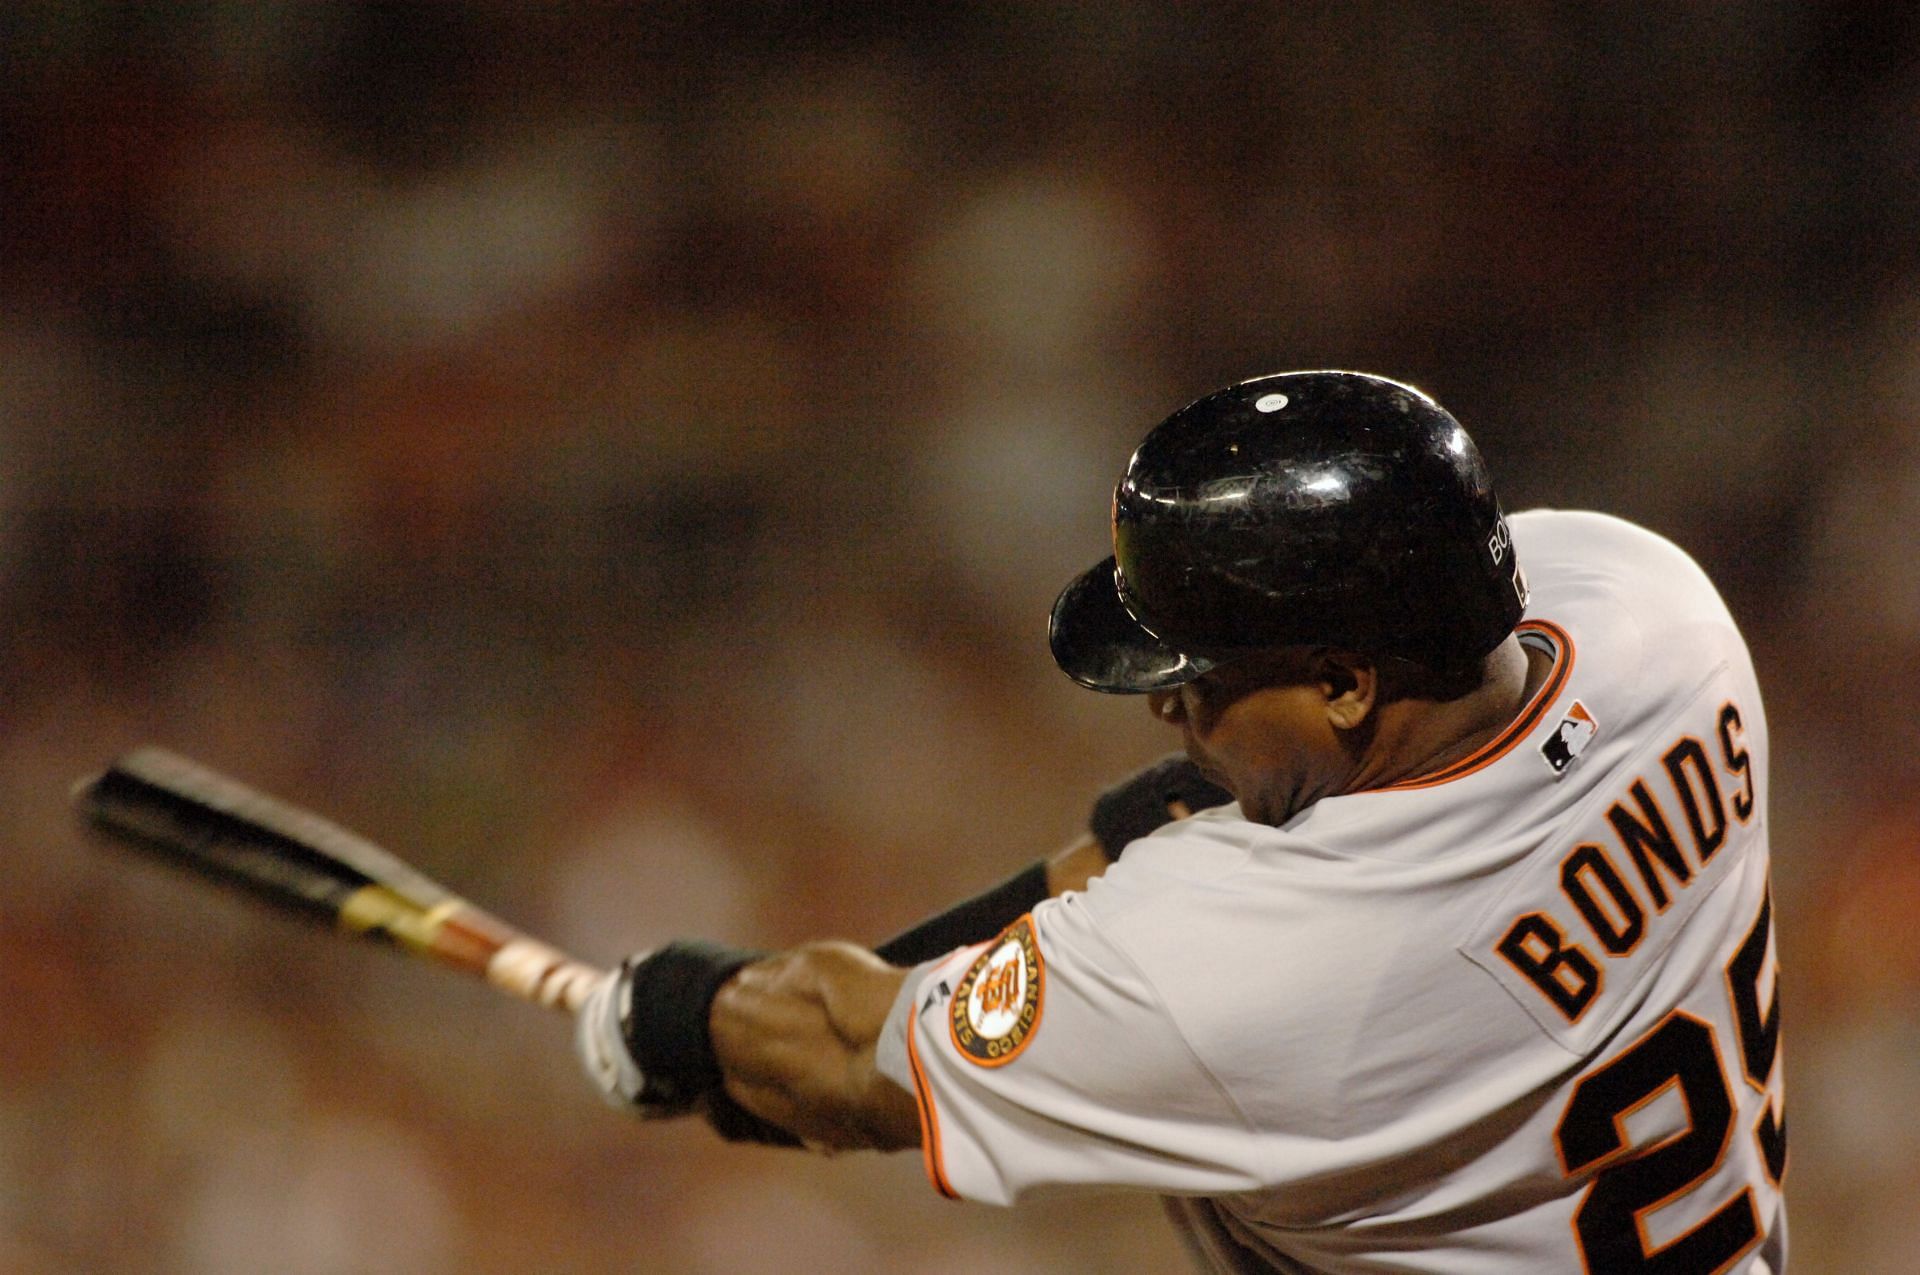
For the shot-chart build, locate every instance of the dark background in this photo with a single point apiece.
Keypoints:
(622, 458)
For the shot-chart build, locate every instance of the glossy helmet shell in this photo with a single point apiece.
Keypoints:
(1308, 508)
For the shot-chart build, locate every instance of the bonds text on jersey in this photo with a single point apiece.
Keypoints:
(1623, 879)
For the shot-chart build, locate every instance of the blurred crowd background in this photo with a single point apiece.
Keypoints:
(623, 457)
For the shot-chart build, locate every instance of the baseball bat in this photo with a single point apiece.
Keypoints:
(212, 824)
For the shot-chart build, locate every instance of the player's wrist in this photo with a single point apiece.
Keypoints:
(643, 1034)
(670, 994)
(735, 1123)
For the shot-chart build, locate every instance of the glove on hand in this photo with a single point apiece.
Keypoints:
(642, 1034)
(600, 1039)
(1140, 803)
(609, 1043)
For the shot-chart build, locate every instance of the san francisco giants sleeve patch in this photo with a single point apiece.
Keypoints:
(996, 1009)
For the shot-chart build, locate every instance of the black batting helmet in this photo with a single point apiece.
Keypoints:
(1308, 508)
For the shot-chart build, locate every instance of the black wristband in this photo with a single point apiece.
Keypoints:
(670, 992)
(974, 921)
(1137, 804)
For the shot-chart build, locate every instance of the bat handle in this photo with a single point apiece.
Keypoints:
(531, 970)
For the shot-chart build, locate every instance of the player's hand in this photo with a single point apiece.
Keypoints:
(603, 1039)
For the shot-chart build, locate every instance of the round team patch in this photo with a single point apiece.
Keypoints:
(996, 1008)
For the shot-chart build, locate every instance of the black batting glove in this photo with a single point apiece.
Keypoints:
(671, 998)
(642, 1034)
(670, 992)
(1140, 803)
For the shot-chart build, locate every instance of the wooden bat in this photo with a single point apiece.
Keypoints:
(295, 859)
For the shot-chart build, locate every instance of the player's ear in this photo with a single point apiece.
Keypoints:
(1349, 687)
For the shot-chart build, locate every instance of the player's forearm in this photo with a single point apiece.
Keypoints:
(772, 1046)
(794, 1036)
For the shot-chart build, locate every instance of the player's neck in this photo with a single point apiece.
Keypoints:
(1416, 737)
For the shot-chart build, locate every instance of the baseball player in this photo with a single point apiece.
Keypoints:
(1470, 968)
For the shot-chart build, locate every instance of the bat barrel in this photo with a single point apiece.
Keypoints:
(294, 859)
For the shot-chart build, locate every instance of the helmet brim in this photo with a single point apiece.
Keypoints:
(1097, 642)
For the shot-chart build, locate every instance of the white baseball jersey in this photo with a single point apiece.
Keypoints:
(1517, 1015)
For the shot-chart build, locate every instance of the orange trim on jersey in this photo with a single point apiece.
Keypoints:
(929, 1118)
(1519, 728)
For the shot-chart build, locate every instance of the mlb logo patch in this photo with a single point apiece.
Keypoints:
(1570, 738)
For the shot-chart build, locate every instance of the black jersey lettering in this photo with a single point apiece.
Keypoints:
(1699, 790)
(1648, 831)
(1759, 1031)
(1619, 927)
(1733, 734)
(1610, 900)
(1563, 972)
(1681, 1053)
